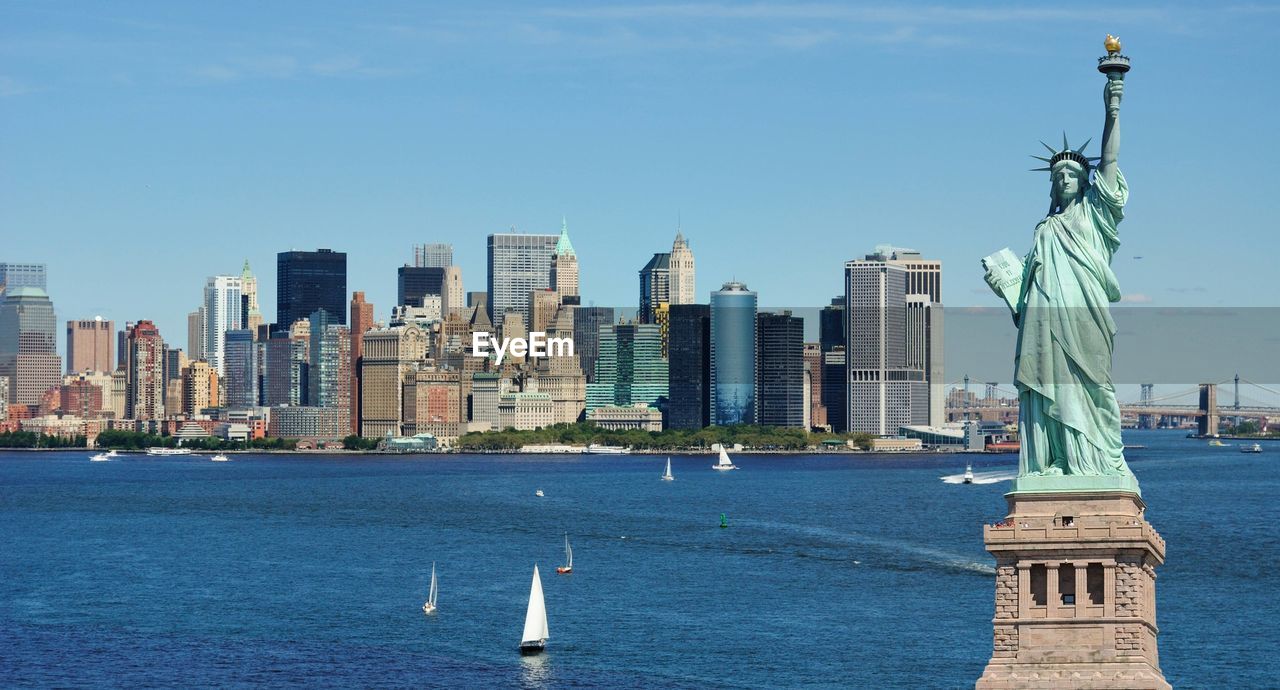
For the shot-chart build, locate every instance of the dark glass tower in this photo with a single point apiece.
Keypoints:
(415, 282)
(307, 281)
(586, 336)
(780, 370)
(690, 371)
(655, 287)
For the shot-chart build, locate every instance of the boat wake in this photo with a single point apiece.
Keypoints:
(993, 477)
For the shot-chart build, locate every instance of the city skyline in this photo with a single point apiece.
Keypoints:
(258, 111)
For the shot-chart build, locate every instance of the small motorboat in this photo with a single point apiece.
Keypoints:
(968, 473)
(1217, 443)
(568, 557)
(158, 450)
(219, 458)
(1255, 448)
(539, 493)
(100, 457)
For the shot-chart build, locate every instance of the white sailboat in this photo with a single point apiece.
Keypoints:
(430, 605)
(725, 463)
(568, 557)
(534, 639)
(667, 476)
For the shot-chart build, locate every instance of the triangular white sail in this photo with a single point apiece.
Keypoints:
(431, 597)
(724, 458)
(535, 619)
(668, 474)
(568, 552)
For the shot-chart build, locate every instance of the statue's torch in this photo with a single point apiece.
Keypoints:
(1114, 65)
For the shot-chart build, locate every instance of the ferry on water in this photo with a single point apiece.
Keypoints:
(598, 449)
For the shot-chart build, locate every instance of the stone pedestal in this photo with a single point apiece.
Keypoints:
(1075, 593)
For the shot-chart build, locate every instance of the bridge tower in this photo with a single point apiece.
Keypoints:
(992, 395)
(1208, 420)
(1148, 392)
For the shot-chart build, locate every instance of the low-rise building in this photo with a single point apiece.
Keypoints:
(314, 423)
(625, 417)
(525, 411)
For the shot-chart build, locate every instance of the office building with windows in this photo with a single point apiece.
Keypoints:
(307, 281)
(733, 355)
(518, 265)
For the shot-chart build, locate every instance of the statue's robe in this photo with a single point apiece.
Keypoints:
(1069, 420)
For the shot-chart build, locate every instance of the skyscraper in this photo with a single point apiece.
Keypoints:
(518, 265)
(681, 272)
(330, 372)
(195, 334)
(413, 283)
(733, 355)
(432, 256)
(250, 314)
(389, 355)
(28, 344)
(89, 345)
(307, 281)
(884, 392)
(361, 321)
(813, 367)
(452, 297)
(655, 287)
(241, 377)
(144, 372)
(630, 368)
(222, 312)
(586, 336)
(564, 265)
(780, 389)
(689, 347)
(14, 275)
(924, 350)
(199, 387)
(286, 374)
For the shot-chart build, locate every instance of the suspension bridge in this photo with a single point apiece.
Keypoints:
(1001, 403)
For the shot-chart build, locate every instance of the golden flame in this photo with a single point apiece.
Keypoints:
(1112, 44)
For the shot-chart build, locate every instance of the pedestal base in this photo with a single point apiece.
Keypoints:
(1115, 677)
(1075, 591)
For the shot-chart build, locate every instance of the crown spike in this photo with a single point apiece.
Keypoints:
(1041, 158)
(1040, 169)
(1048, 147)
(1065, 145)
(1084, 145)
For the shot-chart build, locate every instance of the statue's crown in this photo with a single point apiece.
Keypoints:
(1067, 153)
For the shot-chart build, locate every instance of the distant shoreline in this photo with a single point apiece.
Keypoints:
(684, 452)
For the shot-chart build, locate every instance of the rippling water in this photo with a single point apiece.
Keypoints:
(860, 571)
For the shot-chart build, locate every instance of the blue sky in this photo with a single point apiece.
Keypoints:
(144, 146)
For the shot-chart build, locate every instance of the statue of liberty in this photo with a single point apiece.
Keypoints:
(1068, 419)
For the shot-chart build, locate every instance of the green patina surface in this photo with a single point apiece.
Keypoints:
(1069, 419)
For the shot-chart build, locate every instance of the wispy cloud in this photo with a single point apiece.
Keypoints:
(10, 87)
(1136, 298)
(885, 14)
(287, 67)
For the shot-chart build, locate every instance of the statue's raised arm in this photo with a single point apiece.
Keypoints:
(1111, 95)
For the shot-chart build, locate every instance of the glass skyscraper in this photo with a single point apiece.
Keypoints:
(241, 369)
(28, 344)
(733, 355)
(586, 336)
(689, 347)
(630, 368)
(307, 281)
(780, 365)
(415, 282)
